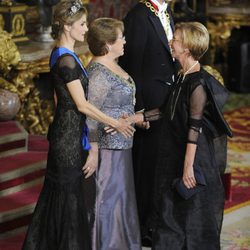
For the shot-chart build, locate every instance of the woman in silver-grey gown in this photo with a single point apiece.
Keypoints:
(113, 91)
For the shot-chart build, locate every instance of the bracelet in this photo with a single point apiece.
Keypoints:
(144, 117)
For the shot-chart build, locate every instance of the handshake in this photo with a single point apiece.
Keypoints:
(126, 122)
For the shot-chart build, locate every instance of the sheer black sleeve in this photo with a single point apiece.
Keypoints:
(198, 99)
(152, 115)
(68, 69)
(155, 114)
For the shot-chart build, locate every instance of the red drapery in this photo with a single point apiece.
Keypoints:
(107, 8)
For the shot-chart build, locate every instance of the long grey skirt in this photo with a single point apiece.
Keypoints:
(116, 223)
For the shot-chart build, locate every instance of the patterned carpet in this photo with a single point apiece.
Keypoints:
(236, 230)
(236, 226)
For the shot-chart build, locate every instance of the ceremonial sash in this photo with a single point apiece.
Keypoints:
(53, 59)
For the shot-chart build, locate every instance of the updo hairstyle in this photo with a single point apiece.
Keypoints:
(66, 12)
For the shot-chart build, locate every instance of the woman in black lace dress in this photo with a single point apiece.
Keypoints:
(61, 217)
(190, 192)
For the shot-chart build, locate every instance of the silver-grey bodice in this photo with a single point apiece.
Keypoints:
(114, 96)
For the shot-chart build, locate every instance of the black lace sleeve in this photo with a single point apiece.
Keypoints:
(198, 99)
(68, 69)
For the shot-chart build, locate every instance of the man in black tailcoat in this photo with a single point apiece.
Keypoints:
(147, 58)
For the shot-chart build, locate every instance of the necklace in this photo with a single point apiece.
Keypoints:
(174, 99)
(189, 69)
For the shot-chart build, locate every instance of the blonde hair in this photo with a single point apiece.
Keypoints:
(195, 37)
(103, 31)
(66, 12)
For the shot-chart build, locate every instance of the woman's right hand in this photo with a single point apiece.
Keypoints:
(124, 127)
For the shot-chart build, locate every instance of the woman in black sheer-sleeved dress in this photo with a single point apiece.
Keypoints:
(192, 118)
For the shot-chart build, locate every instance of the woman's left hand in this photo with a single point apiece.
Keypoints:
(110, 130)
(92, 161)
(188, 177)
(188, 170)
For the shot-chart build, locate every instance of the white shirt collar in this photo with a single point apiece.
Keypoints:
(161, 7)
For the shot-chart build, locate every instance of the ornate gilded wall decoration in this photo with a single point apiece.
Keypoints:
(35, 114)
(14, 19)
(9, 54)
(224, 17)
(18, 25)
(7, 2)
(1, 22)
(19, 77)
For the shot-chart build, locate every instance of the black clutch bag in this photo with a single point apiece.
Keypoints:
(186, 193)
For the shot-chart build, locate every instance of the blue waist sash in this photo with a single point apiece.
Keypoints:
(55, 55)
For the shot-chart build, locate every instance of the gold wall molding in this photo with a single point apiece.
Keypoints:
(223, 19)
(2, 23)
(223, 25)
(18, 25)
(9, 54)
(35, 113)
(12, 19)
(22, 64)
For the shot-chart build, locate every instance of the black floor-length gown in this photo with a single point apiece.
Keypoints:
(192, 224)
(61, 217)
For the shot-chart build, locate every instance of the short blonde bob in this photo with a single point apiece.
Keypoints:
(195, 37)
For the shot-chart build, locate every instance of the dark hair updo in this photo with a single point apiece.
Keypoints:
(66, 12)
